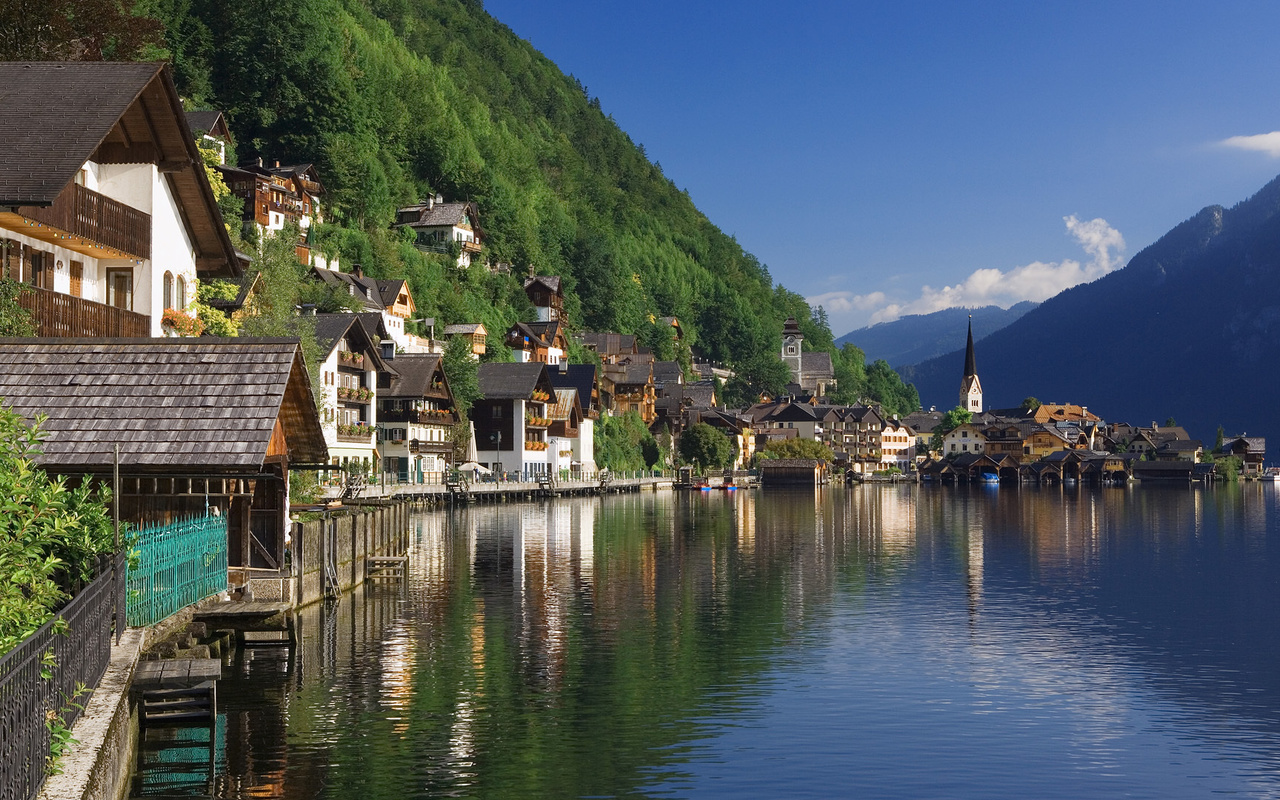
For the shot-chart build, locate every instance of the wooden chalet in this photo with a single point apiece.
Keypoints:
(633, 389)
(439, 226)
(1252, 451)
(543, 342)
(201, 425)
(545, 293)
(473, 332)
(106, 212)
(277, 195)
(416, 413)
(511, 419)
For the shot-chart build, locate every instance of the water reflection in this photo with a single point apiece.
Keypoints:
(899, 641)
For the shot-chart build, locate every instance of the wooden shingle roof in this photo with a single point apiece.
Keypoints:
(512, 381)
(171, 404)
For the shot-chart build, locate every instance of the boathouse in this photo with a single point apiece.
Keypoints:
(201, 425)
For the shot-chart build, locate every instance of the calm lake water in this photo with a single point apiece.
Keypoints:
(876, 642)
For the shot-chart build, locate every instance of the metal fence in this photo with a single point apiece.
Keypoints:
(176, 565)
(39, 678)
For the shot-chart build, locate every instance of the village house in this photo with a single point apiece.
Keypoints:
(202, 425)
(543, 342)
(613, 348)
(390, 299)
(632, 389)
(1251, 450)
(105, 208)
(349, 368)
(545, 293)
(567, 451)
(212, 132)
(897, 446)
(582, 378)
(511, 418)
(966, 438)
(859, 437)
(439, 227)
(474, 332)
(416, 415)
(276, 196)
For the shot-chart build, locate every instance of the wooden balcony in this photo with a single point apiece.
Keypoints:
(87, 222)
(62, 315)
(470, 247)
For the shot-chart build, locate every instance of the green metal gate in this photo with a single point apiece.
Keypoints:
(175, 565)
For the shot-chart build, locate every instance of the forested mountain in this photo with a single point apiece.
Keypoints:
(1190, 328)
(919, 337)
(395, 99)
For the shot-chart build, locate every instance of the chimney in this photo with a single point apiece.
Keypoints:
(430, 202)
(439, 197)
(277, 163)
(564, 364)
(388, 349)
(357, 270)
(259, 161)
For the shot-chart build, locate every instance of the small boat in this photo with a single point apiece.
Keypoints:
(989, 478)
(1272, 474)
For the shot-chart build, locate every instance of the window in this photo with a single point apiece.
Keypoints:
(180, 293)
(120, 288)
(168, 290)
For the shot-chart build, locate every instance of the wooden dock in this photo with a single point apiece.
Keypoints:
(178, 691)
(471, 491)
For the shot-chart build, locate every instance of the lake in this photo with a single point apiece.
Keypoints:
(877, 642)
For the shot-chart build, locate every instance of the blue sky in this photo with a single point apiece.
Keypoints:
(895, 158)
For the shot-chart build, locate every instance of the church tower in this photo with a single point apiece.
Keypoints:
(791, 349)
(970, 386)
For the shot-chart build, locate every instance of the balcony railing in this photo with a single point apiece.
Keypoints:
(88, 215)
(58, 314)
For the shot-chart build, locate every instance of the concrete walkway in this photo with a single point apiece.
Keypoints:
(97, 765)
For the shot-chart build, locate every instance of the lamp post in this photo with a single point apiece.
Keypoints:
(497, 449)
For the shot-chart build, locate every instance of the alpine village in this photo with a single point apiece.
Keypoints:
(233, 360)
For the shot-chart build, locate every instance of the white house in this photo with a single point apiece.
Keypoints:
(349, 377)
(512, 418)
(105, 208)
(415, 415)
(439, 226)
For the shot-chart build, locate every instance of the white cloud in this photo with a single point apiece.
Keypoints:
(845, 302)
(1268, 143)
(1037, 281)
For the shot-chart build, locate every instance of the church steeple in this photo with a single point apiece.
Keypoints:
(969, 367)
(970, 386)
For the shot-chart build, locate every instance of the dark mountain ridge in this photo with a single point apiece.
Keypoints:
(918, 337)
(1190, 328)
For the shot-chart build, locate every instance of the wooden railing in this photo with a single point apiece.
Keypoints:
(57, 314)
(85, 213)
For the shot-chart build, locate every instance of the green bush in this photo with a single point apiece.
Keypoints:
(50, 534)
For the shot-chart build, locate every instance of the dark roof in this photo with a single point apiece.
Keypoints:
(817, 364)
(700, 395)
(363, 289)
(791, 327)
(612, 343)
(174, 404)
(664, 371)
(330, 328)
(211, 122)
(389, 291)
(424, 215)
(507, 381)
(578, 376)
(552, 282)
(412, 374)
(54, 116)
(464, 328)
(58, 115)
(374, 324)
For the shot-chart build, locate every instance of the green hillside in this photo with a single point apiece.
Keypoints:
(396, 99)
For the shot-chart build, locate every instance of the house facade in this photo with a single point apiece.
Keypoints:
(415, 417)
(439, 227)
(349, 371)
(105, 209)
(277, 195)
(512, 418)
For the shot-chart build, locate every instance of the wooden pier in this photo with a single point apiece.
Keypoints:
(464, 489)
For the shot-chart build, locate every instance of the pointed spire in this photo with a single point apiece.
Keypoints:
(969, 366)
